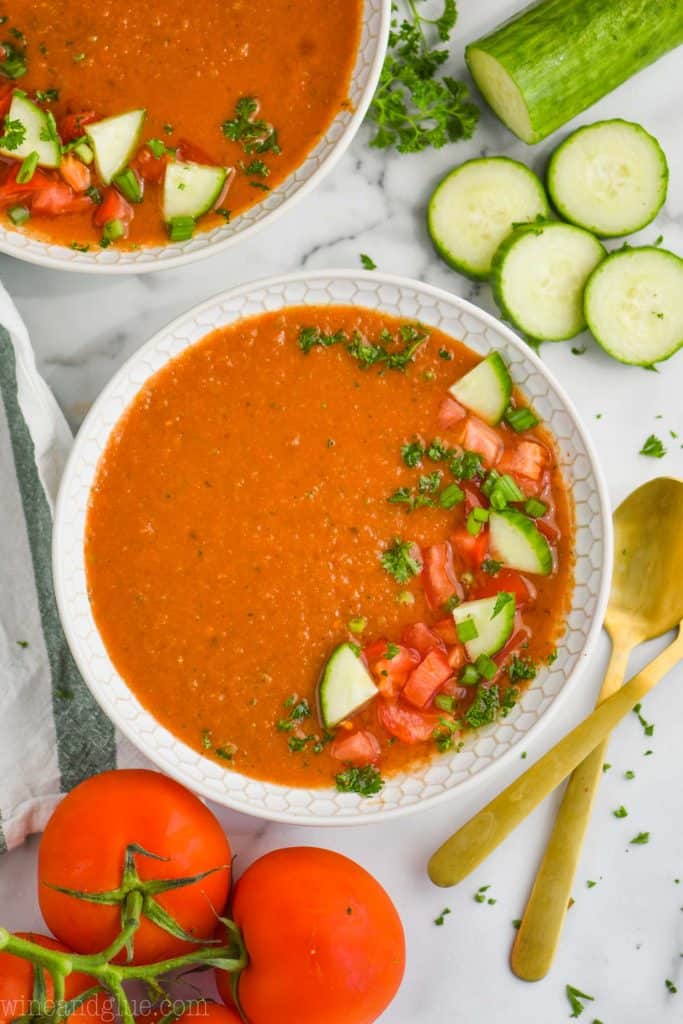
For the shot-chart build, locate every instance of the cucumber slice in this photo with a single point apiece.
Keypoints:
(486, 389)
(494, 629)
(473, 209)
(610, 177)
(190, 190)
(518, 543)
(114, 141)
(345, 687)
(634, 305)
(40, 133)
(538, 276)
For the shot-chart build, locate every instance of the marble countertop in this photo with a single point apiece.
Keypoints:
(624, 936)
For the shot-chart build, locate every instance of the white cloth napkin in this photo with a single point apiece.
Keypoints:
(52, 733)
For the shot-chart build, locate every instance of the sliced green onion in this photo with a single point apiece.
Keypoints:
(444, 702)
(28, 168)
(157, 147)
(490, 482)
(535, 508)
(451, 496)
(520, 419)
(481, 515)
(84, 153)
(128, 184)
(113, 230)
(358, 624)
(486, 666)
(507, 486)
(467, 630)
(469, 676)
(474, 523)
(19, 214)
(181, 228)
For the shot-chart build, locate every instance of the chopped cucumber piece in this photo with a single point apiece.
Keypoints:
(39, 132)
(610, 177)
(488, 623)
(486, 389)
(518, 543)
(346, 686)
(114, 141)
(475, 206)
(634, 305)
(538, 277)
(190, 190)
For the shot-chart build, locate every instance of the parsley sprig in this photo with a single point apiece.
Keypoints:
(400, 560)
(413, 107)
(13, 134)
(365, 781)
(255, 134)
(370, 353)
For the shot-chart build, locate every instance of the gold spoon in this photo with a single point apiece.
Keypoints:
(468, 847)
(646, 601)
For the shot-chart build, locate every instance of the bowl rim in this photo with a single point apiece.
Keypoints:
(154, 264)
(498, 764)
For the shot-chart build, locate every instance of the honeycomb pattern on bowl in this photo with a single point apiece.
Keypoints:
(449, 773)
(321, 159)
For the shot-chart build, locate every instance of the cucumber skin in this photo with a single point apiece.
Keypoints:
(464, 268)
(586, 302)
(497, 274)
(564, 212)
(565, 55)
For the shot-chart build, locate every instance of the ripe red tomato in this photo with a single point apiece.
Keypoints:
(325, 942)
(407, 724)
(16, 981)
(83, 848)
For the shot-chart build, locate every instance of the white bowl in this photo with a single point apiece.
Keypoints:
(448, 774)
(321, 160)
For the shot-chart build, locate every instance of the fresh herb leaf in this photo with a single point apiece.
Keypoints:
(46, 95)
(653, 447)
(484, 708)
(620, 812)
(400, 562)
(648, 727)
(365, 781)
(521, 668)
(367, 262)
(440, 919)
(254, 134)
(467, 466)
(412, 454)
(22, 643)
(574, 995)
(510, 698)
(13, 62)
(669, 984)
(299, 710)
(641, 839)
(502, 601)
(13, 134)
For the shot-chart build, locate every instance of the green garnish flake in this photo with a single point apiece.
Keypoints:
(641, 839)
(648, 727)
(606, 766)
(412, 454)
(669, 984)
(490, 566)
(78, 57)
(629, 774)
(299, 710)
(366, 352)
(400, 562)
(222, 212)
(502, 601)
(520, 419)
(22, 643)
(484, 708)
(575, 995)
(653, 447)
(440, 919)
(358, 624)
(413, 108)
(521, 669)
(254, 134)
(391, 651)
(590, 884)
(517, 921)
(46, 95)
(79, 246)
(445, 355)
(367, 262)
(13, 135)
(467, 466)
(620, 812)
(467, 630)
(365, 781)
(13, 63)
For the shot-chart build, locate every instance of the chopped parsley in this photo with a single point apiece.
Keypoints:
(510, 698)
(444, 734)
(256, 167)
(79, 246)
(629, 775)
(13, 134)
(490, 566)
(391, 651)
(653, 447)
(367, 262)
(648, 727)
(669, 984)
(484, 708)
(467, 466)
(13, 62)
(299, 710)
(254, 134)
(365, 781)
(620, 812)
(481, 897)
(521, 669)
(22, 643)
(641, 839)
(368, 353)
(46, 95)
(400, 562)
(440, 919)
(445, 354)
(590, 884)
(606, 767)
(412, 454)
(574, 995)
(413, 108)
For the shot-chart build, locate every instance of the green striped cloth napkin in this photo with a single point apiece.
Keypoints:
(52, 733)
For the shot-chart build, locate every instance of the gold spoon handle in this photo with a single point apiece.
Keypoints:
(471, 844)
(539, 933)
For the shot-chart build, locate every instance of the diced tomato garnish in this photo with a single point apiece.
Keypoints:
(406, 724)
(391, 673)
(75, 173)
(357, 748)
(514, 643)
(374, 650)
(56, 199)
(509, 581)
(150, 167)
(72, 126)
(426, 679)
(188, 151)
(548, 529)
(473, 496)
(446, 630)
(439, 580)
(479, 437)
(526, 462)
(113, 207)
(6, 90)
(11, 190)
(450, 413)
(421, 638)
(472, 550)
(456, 656)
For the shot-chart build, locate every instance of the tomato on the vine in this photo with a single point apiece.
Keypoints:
(325, 942)
(84, 845)
(16, 981)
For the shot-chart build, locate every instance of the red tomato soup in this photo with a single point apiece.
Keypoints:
(223, 84)
(299, 497)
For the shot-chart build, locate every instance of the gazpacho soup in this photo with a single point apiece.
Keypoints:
(132, 124)
(323, 543)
